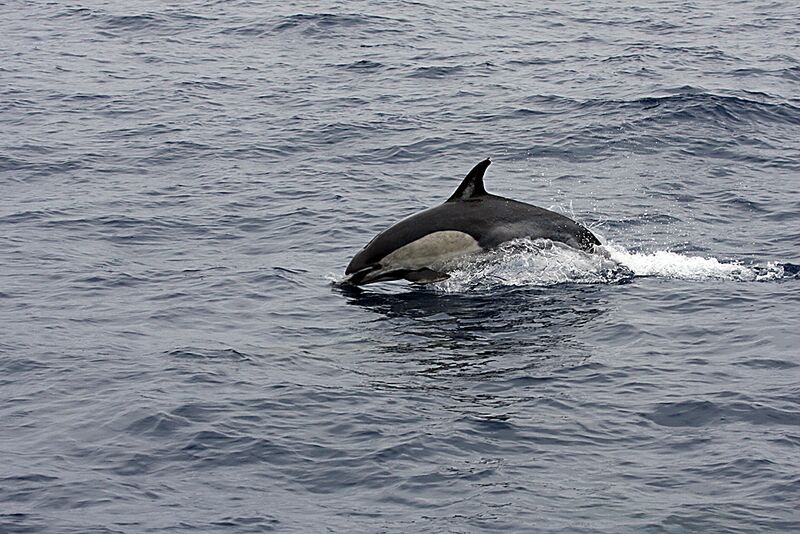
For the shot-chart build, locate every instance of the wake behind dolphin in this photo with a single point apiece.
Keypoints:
(423, 247)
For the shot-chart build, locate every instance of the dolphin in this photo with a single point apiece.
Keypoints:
(419, 248)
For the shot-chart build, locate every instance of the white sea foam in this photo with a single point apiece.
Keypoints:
(544, 263)
(666, 264)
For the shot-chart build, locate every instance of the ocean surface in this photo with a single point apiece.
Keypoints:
(183, 184)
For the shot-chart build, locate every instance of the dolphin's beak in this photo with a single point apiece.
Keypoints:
(358, 276)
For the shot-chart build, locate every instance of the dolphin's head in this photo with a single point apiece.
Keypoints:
(421, 256)
(371, 264)
(364, 266)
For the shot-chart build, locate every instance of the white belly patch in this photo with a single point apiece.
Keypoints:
(431, 250)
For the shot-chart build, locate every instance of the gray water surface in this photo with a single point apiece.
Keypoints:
(183, 184)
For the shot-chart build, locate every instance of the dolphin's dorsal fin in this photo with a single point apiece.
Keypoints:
(472, 186)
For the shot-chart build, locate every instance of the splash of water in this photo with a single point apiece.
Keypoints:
(543, 263)
(668, 264)
(539, 262)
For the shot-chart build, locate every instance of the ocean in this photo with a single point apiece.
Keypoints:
(182, 185)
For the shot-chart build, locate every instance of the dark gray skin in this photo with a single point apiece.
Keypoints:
(490, 219)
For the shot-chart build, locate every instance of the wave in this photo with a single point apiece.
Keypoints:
(325, 20)
(320, 24)
(686, 102)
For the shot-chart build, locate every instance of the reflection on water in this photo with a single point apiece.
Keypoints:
(508, 330)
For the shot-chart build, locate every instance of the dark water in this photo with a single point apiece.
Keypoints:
(182, 184)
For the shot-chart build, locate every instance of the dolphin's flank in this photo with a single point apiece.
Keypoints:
(420, 247)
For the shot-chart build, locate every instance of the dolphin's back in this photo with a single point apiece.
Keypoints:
(512, 219)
